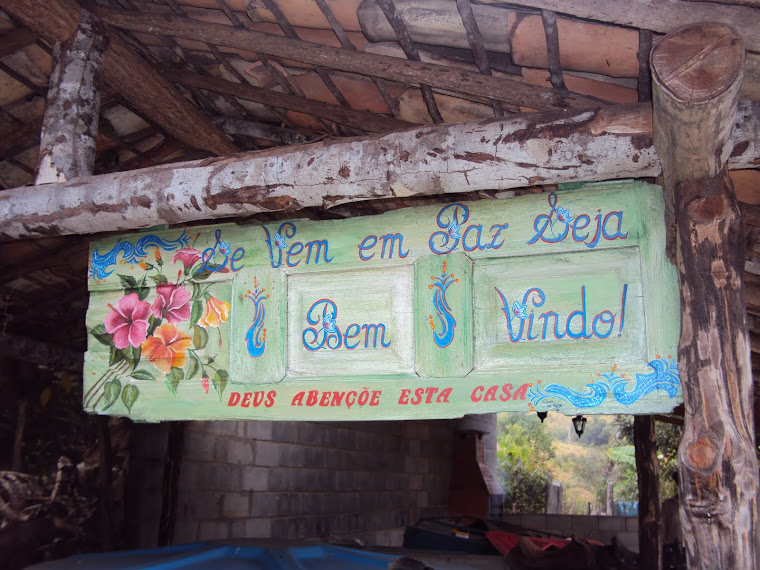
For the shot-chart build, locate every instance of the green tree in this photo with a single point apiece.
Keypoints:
(624, 474)
(524, 450)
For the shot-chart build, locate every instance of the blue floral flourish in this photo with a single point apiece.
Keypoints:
(664, 377)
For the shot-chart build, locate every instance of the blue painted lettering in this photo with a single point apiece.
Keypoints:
(577, 325)
(391, 242)
(278, 242)
(451, 219)
(326, 333)
(555, 226)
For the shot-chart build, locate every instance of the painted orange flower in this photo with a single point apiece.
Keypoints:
(216, 313)
(166, 348)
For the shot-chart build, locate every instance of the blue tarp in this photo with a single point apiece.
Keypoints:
(226, 556)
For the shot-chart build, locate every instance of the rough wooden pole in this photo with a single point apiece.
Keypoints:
(697, 72)
(645, 441)
(70, 124)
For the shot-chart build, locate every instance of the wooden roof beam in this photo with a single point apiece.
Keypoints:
(129, 74)
(538, 148)
(368, 64)
(364, 120)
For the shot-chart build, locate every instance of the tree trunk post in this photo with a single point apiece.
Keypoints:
(697, 73)
(645, 442)
(70, 125)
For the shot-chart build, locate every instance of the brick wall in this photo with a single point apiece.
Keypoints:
(294, 480)
(590, 527)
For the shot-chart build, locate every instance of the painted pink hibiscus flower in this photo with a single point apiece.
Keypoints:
(172, 303)
(128, 321)
(188, 256)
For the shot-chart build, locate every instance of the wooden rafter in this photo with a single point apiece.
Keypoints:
(129, 74)
(475, 39)
(410, 50)
(395, 69)
(352, 117)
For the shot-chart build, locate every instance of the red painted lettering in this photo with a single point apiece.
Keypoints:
(521, 391)
(403, 399)
(443, 397)
(234, 399)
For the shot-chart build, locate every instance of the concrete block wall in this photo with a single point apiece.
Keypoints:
(327, 481)
(590, 527)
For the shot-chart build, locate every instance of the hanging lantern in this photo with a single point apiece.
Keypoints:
(579, 423)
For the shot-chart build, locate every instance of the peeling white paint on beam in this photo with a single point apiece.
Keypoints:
(541, 148)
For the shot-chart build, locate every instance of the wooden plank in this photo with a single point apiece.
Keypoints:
(695, 94)
(130, 75)
(16, 39)
(540, 148)
(564, 302)
(364, 120)
(384, 67)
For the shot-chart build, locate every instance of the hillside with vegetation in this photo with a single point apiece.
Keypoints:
(532, 454)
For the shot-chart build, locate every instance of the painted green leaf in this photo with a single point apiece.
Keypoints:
(143, 374)
(196, 312)
(130, 285)
(142, 290)
(200, 337)
(193, 366)
(129, 396)
(220, 381)
(117, 355)
(111, 392)
(159, 279)
(176, 375)
(127, 282)
(196, 291)
(132, 355)
(153, 323)
(100, 334)
(202, 275)
(623, 454)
